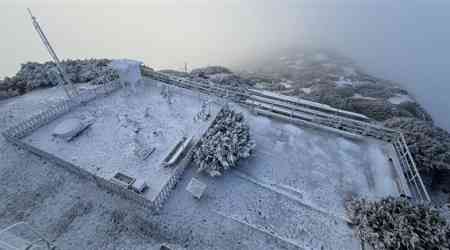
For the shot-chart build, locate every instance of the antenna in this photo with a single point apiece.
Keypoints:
(69, 88)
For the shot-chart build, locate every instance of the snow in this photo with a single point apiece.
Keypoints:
(399, 99)
(68, 128)
(306, 90)
(308, 103)
(358, 96)
(382, 172)
(290, 194)
(311, 172)
(122, 120)
(129, 70)
(286, 84)
(342, 82)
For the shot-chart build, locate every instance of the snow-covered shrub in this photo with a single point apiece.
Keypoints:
(398, 223)
(34, 75)
(227, 141)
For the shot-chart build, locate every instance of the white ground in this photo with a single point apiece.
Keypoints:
(358, 96)
(287, 84)
(288, 196)
(343, 82)
(307, 90)
(399, 99)
(108, 145)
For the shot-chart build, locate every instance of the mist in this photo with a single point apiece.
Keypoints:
(403, 41)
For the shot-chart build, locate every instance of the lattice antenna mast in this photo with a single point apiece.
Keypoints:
(70, 89)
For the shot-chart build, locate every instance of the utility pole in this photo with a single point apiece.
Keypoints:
(69, 88)
(185, 67)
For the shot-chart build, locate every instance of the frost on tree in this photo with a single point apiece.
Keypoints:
(227, 141)
(397, 223)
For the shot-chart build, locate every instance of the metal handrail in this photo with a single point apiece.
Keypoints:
(326, 118)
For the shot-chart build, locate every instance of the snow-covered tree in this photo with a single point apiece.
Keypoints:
(398, 223)
(227, 141)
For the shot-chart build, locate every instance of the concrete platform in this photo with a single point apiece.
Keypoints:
(294, 187)
(125, 121)
(290, 194)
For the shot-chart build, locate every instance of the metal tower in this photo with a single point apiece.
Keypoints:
(70, 89)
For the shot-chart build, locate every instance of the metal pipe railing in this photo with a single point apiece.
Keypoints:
(318, 114)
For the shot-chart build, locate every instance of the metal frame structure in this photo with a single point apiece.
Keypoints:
(69, 88)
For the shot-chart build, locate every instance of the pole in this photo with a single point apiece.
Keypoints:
(69, 88)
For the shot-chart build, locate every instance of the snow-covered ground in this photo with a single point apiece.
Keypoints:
(343, 82)
(287, 84)
(124, 122)
(307, 90)
(359, 96)
(399, 99)
(289, 195)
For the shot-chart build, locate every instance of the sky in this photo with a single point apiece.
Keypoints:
(404, 41)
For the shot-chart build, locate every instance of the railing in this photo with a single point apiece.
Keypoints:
(23, 236)
(15, 133)
(409, 169)
(306, 112)
(29, 125)
(26, 127)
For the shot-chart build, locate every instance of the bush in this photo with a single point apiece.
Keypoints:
(397, 223)
(227, 141)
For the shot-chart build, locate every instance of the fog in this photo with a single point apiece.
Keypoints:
(404, 41)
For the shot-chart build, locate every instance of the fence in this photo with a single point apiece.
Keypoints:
(310, 113)
(26, 127)
(22, 236)
(409, 169)
(29, 125)
(165, 192)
